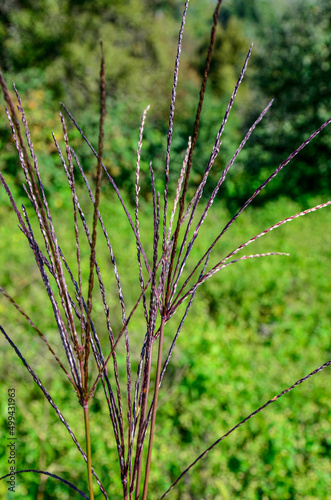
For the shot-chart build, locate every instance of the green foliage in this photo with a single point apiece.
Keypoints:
(55, 57)
(293, 67)
(62, 38)
(231, 47)
(242, 345)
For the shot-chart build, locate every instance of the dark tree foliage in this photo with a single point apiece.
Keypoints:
(293, 67)
(62, 38)
(50, 49)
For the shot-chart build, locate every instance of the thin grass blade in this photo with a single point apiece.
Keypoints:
(275, 398)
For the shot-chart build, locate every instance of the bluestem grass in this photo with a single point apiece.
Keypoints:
(163, 283)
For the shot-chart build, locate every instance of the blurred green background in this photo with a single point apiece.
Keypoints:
(257, 326)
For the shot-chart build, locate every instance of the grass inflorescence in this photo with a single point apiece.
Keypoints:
(168, 275)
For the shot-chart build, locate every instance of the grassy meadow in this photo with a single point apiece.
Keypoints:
(256, 328)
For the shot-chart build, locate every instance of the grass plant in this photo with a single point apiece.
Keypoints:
(168, 273)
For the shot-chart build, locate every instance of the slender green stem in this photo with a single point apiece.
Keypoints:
(88, 451)
(156, 394)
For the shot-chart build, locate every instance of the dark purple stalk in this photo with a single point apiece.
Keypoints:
(51, 402)
(75, 203)
(271, 228)
(190, 157)
(181, 324)
(149, 338)
(54, 476)
(275, 398)
(217, 144)
(115, 412)
(41, 335)
(223, 263)
(86, 338)
(171, 123)
(137, 189)
(178, 190)
(212, 198)
(119, 336)
(258, 190)
(44, 214)
(111, 180)
(197, 197)
(40, 263)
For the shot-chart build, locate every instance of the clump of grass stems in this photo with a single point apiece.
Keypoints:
(164, 282)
